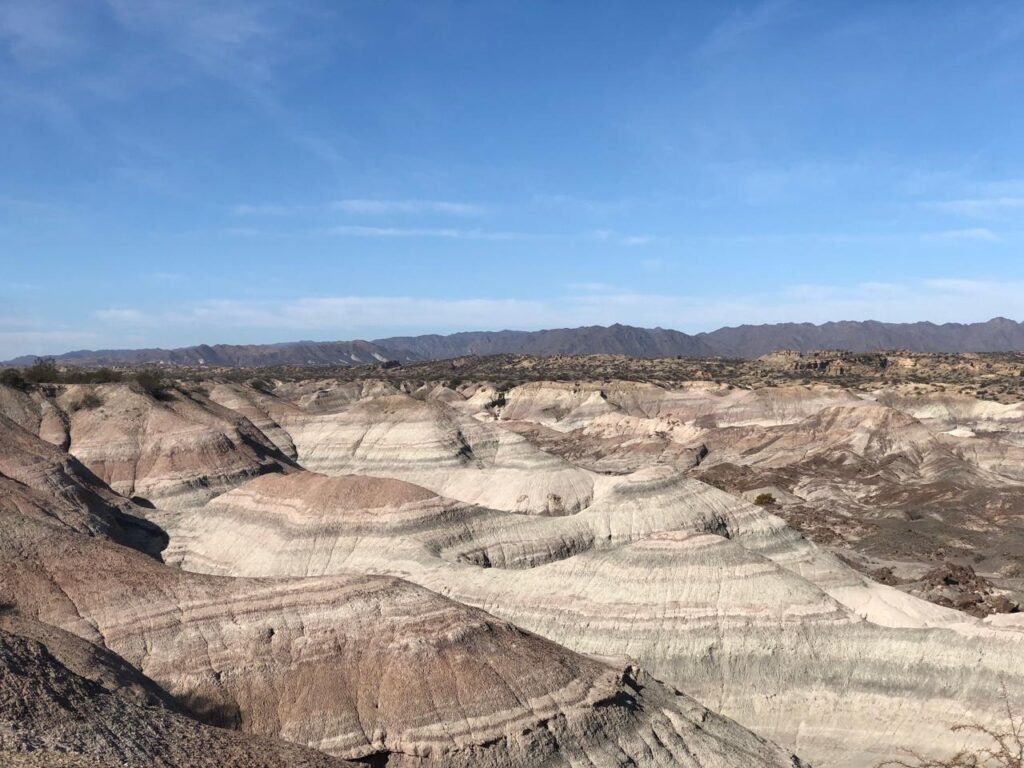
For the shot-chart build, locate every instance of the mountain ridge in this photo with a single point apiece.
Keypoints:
(743, 341)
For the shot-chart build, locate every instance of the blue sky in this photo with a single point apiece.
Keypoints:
(184, 171)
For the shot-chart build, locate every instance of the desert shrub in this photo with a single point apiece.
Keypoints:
(764, 500)
(12, 377)
(42, 371)
(151, 382)
(87, 402)
(99, 376)
(1006, 750)
(261, 385)
(45, 371)
(1012, 570)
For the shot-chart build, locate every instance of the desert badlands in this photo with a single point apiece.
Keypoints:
(319, 572)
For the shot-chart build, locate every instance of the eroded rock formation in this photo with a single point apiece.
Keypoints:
(526, 575)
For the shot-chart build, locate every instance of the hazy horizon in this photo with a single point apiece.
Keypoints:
(214, 343)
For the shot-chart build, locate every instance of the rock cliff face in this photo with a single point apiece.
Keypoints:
(526, 577)
(174, 450)
(65, 702)
(39, 481)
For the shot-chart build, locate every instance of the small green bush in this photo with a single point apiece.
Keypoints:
(42, 371)
(12, 377)
(765, 500)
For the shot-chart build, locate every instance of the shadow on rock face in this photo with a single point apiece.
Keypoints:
(212, 710)
(143, 535)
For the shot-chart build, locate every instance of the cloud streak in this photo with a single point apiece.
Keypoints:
(383, 207)
(363, 206)
(976, 234)
(14, 343)
(426, 232)
(35, 32)
(981, 207)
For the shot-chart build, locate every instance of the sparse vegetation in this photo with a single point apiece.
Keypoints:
(88, 401)
(45, 371)
(151, 382)
(765, 500)
(12, 377)
(98, 376)
(261, 385)
(42, 371)
(1006, 750)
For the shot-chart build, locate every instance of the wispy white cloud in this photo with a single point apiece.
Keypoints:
(160, 45)
(382, 207)
(590, 288)
(268, 209)
(975, 234)
(238, 42)
(18, 286)
(362, 206)
(638, 240)
(14, 343)
(581, 204)
(36, 32)
(130, 316)
(374, 231)
(427, 232)
(981, 207)
(243, 232)
(743, 24)
(449, 233)
(610, 236)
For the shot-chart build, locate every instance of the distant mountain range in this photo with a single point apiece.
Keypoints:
(745, 341)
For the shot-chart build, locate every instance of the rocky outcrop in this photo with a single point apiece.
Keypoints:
(66, 702)
(41, 482)
(173, 449)
(440, 448)
(366, 667)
